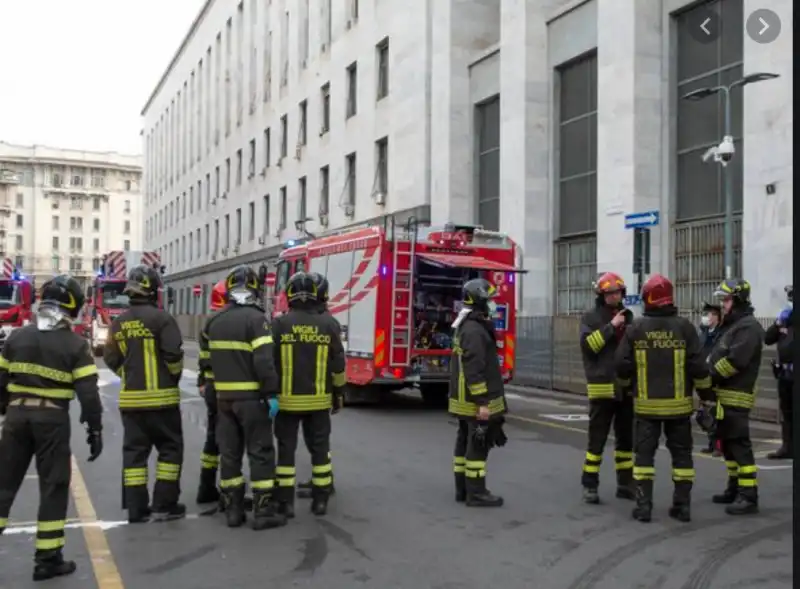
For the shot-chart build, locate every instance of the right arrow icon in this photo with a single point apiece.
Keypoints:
(764, 26)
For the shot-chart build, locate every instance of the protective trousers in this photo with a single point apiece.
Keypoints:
(678, 432)
(317, 435)
(602, 414)
(209, 458)
(245, 426)
(734, 431)
(469, 460)
(786, 404)
(144, 430)
(43, 433)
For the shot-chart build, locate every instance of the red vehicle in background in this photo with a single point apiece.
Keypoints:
(17, 296)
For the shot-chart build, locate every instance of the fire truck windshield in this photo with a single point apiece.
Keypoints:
(9, 294)
(111, 296)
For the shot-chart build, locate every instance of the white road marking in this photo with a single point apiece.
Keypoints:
(567, 417)
(774, 466)
(26, 528)
(546, 401)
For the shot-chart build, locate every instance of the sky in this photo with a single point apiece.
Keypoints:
(76, 74)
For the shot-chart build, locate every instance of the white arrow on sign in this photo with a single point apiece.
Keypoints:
(571, 417)
(705, 24)
(765, 24)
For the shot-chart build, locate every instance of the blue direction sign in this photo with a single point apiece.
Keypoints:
(643, 219)
(632, 300)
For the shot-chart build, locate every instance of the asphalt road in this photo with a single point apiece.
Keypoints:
(394, 525)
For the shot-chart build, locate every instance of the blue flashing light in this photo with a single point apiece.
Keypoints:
(510, 278)
(290, 243)
(384, 270)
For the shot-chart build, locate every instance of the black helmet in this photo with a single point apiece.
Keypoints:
(711, 308)
(477, 292)
(736, 288)
(64, 292)
(242, 279)
(789, 290)
(301, 289)
(143, 283)
(322, 286)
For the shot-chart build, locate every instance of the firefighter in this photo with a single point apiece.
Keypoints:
(734, 365)
(781, 334)
(477, 397)
(709, 331)
(609, 398)
(304, 488)
(42, 367)
(145, 349)
(207, 492)
(240, 344)
(662, 354)
(310, 359)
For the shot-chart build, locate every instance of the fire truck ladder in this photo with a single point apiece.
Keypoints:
(402, 326)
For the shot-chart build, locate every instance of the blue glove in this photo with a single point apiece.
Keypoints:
(272, 403)
(783, 316)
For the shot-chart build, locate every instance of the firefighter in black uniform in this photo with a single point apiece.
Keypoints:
(240, 345)
(207, 492)
(781, 334)
(304, 488)
(734, 365)
(42, 367)
(477, 396)
(609, 398)
(145, 349)
(662, 354)
(305, 338)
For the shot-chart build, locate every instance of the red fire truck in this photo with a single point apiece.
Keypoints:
(105, 299)
(396, 292)
(17, 296)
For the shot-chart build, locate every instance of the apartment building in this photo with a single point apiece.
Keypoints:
(62, 209)
(550, 120)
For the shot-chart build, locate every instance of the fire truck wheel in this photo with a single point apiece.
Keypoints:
(434, 395)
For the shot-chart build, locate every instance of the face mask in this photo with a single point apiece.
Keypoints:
(705, 321)
(492, 307)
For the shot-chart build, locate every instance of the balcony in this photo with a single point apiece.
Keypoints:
(9, 177)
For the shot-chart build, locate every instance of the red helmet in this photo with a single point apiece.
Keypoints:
(657, 291)
(609, 282)
(219, 296)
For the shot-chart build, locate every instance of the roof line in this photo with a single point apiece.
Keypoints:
(188, 37)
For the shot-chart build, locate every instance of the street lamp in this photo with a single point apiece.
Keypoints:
(723, 153)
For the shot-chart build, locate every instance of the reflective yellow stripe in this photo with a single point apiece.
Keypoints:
(4, 363)
(166, 471)
(149, 399)
(232, 483)
(261, 341)
(640, 357)
(683, 474)
(286, 369)
(204, 355)
(595, 341)
(41, 371)
(339, 379)
(295, 403)
(663, 407)
(208, 374)
(49, 543)
(262, 485)
(644, 473)
(51, 526)
(230, 346)
(724, 368)
(469, 409)
(236, 386)
(150, 366)
(40, 392)
(84, 371)
(209, 460)
(321, 380)
(459, 464)
(728, 398)
(703, 383)
(475, 469)
(679, 373)
(3, 522)
(175, 367)
(134, 477)
(479, 388)
(285, 471)
(601, 390)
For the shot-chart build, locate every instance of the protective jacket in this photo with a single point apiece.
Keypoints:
(735, 361)
(662, 355)
(53, 366)
(475, 376)
(145, 349)
(205, 376)
(310, 358)
(239, 346)
(784, 342)
(599, 340)
(708, 339)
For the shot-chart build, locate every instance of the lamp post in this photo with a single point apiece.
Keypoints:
(723, 153)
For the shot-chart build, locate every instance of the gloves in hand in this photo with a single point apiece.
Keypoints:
(272, 406)
(338, 403)
(94, 437)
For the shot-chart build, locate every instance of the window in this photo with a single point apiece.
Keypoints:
(352, 10)
(282, 225)
(76, 264)
(208, 190)
(19, 221)
(301, 132)
(95, 224)
(96, 203)
(382, 50)
(251, 221)
(56, 244)
(238, 227)
(350, 165)
(126, 227)
(251, 166)
(238, 167)
(55, 204)
(217, 182)
(191, 200)
(77, 180)
(488, 184)
(98, 179)
(208, 239)
(352, 90)
(128, 185)
(267, 147)
(227, 175)
(76, 203)
(199, 194)
(76, 223)
(324, 190)
(191, 246)
(75, 244)
(20, 199)
(325, 95)
(227, 231)
(127, 207)
(57, 180)
(301, 200)
(19, 243)
(55, 223)
(95, 245)
(126, 245)
(216, 236)
(382, 165)
(265, 231)
(284, 135)
(183, 210)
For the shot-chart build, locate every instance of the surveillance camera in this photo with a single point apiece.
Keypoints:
(726, 149)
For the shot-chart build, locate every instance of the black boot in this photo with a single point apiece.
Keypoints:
(643, 511)
(286, 508)
(461, 487)
(625, 487)
(479, 496)
(139, 515)
(265, 512)
(729, 494)
(681, 500)
(207, 492)
(319, 501)
(590, 496)
(169, 512)
(304, 490)
(785, 452)
(746, 502)
(50, 564)
(234, 507)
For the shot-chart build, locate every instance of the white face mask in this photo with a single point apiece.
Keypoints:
(705, 321)
(492, 307)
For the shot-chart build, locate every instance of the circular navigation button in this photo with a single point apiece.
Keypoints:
(704, 25)
(763, 26)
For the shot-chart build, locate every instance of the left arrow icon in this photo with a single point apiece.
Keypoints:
(704, 26)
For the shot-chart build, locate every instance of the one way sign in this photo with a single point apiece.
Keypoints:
(643, 219)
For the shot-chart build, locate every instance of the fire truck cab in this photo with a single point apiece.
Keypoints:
(17, 296)
(396, 292)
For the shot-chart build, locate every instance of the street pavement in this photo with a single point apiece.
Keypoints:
(393, 523)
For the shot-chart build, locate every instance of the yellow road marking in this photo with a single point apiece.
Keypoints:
(105, 569)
